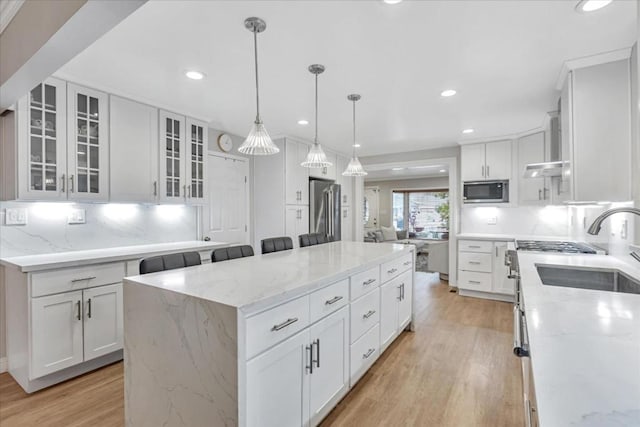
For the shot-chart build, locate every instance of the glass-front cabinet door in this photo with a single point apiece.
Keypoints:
(196, 161)
(88, 159)
(172, 158)
(42, 142)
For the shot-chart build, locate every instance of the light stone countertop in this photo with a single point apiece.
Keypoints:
(509, 237)
(257, 282)
(585, 345)
(50, 261)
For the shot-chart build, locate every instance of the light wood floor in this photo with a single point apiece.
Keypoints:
(457, 369)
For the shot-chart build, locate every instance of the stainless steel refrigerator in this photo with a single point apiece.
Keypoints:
(324, 212)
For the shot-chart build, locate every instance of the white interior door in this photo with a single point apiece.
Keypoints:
(371, 207)
(227, 213)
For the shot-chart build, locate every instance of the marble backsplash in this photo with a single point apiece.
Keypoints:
(524, 220)
(107, 225)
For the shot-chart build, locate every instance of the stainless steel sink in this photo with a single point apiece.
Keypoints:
(585, 278)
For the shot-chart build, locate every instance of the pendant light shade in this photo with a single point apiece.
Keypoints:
(316, 158)
(354, 168)
(258, 142)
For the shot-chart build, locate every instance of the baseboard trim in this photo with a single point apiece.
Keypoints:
(4, 365)
(485, 295)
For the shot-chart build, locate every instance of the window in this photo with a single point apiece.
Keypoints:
(424, 213)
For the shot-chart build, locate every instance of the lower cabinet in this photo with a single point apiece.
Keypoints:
(75, 327)
(481, 270)
(312, 364)
(395, 307)
(296, 222)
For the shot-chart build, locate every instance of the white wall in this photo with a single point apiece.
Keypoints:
(521, 221)
(387, 187)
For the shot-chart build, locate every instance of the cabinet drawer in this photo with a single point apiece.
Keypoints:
(365, 312)
(474, 281)
(69, 279)
(364, 352)
(272, 326)
(475, 246)
(474, 261)
(361, 283)
(327, 300)
(393, 268)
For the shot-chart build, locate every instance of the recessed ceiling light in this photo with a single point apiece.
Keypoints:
(392, 1)
(194, 75)
(356, 145)
(447, 93)
(397, 169)
(303, 122)
(468, 131)
(591, 5)
(443, 170)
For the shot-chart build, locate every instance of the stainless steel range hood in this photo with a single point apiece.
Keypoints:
(545, 169)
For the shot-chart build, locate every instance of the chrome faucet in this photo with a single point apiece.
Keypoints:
(597, 224)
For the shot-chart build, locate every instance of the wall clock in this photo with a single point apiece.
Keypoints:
(225, 142)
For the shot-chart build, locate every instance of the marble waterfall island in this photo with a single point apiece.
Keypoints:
(269, 340)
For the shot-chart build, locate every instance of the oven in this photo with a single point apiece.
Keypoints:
(486, 192)
(521, 340)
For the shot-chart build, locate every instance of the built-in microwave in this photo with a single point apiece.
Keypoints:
(486, 192)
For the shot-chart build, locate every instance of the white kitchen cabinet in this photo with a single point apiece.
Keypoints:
(346, 224)
(531, 149)
(172, 158)
(489, 161)
(278, 384)
(103, 331)
(395, 307)
(133, 150)
(87, 143)
(56, 333)
(296, 176)
(196, 162)
(40, 140)
(501, 283)
(328, 172)
(596, 131)
(330, 378)
(297, 222)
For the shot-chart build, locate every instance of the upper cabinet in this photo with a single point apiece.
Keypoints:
(596, 132)
(133, 150)
(196, 161)
(296, 176)
(486, 162)
(531, 149)
(88, 143)
(172, 158)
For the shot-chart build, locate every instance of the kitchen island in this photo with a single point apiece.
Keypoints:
(269, 340)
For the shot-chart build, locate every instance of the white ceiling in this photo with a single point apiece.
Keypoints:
(503, 58)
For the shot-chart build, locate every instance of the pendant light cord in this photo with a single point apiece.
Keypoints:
(255, 57)
(354, 129)
(316, 138)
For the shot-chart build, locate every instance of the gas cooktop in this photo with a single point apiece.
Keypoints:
(556, 246)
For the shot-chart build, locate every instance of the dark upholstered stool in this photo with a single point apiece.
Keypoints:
(312, 239)
(233, 252)
(276, 244)
(169, 262)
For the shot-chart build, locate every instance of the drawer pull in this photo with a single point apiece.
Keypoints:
(368, 282)
(393, 270)
(474, 262)
(333, 300)
(474, 247)
(368, 353)
(83, 279)
(79, 314)
(284, 324)
(369, 314)
(474, 281)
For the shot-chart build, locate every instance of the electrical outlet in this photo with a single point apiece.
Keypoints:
(492, 220)
(16, 216)
(77, 216)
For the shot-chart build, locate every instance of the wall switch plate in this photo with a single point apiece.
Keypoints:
(624, 230)
(492, 220)
(17, 216)
(77, 216)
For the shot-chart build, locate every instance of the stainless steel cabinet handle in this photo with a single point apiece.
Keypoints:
(155, 188)
(539, 194)
(482, 170)
(474, 246)
(184, 191)
(368, 282)
(544, 193)
(368, 314)
(496, 251)
(82, 279)
(474, 262)
(399, 293)
(402, 291)
(89, 309)
(474, 281)
(333, 300)
(284, 324)
(71, 184)
(62, 183)
(79, 314)
(316, 343)
(368, 353)
(519, 348)
(393, 270)
(488, 171)
(189, 191)
(309, 348)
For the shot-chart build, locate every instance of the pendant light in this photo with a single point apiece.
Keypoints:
(258, 142)
(316, 158)
(354, 168)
